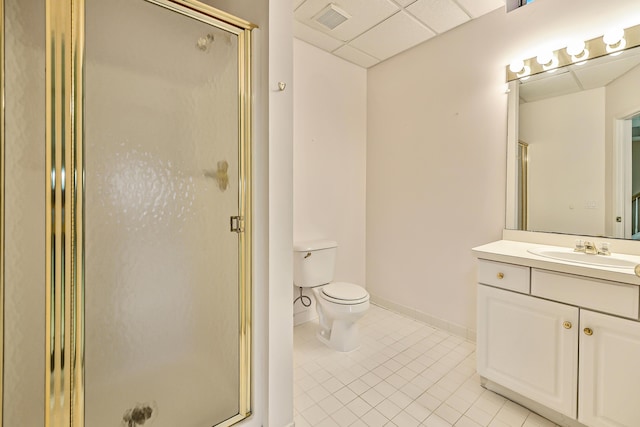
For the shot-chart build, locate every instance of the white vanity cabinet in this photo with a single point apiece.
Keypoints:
(568, 343)
(530, 346)
(609, 371)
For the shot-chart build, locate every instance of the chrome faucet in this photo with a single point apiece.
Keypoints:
(590, 248)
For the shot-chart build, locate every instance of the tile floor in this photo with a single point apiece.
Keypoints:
(404, 374)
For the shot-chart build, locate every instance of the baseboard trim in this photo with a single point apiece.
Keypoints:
(304, 317)
(461, 331)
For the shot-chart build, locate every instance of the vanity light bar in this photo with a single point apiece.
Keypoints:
(612, 43)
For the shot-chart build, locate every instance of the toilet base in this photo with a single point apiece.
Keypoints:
(343, 336)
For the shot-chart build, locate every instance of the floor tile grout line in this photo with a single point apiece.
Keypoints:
(416, 340)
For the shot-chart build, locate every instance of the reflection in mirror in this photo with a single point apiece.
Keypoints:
(523, 185)
(635, 177)
(583, 160)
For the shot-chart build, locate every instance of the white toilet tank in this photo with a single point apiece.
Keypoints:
(313, 262)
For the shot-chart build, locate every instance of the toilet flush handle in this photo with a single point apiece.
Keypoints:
(307, 255)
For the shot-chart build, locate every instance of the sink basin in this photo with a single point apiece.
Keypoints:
(579, 257)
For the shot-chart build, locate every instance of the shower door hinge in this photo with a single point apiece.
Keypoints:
(237, 224)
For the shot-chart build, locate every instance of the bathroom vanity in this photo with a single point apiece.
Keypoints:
(561, 338)
(558, 330)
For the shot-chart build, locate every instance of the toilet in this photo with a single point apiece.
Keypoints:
(339, 304)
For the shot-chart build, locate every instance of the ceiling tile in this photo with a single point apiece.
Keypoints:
(440, 15)
(364, 15)
(480, 7)
(398, 33)
(559, 83)
(356, 56)
(297, 3)
(405, 3)
(609, 68)
(314, 37)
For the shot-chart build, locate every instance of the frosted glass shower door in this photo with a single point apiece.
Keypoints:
(162, 138)
(23, 194)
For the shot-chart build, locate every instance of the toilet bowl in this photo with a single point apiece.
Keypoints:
(339, 304)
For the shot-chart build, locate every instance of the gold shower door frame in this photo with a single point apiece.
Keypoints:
(523, 185)
(2, 191)
(65, 311)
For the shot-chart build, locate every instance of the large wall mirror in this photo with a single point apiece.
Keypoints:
(581, 126)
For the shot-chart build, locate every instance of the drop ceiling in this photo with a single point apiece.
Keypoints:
(379, 29)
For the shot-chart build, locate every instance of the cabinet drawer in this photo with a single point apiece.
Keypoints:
(506, 276)
(601, 295)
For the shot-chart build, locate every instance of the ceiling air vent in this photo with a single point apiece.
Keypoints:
(331, 16)
(514, 4)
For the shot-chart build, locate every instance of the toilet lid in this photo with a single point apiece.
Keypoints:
(345, 291)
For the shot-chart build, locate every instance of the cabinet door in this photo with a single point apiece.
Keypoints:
(609, 371)
(530, 346)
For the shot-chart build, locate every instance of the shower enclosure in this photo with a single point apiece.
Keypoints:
(125, 201)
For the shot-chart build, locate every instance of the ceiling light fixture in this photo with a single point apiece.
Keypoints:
(520, 69)
(576, 52)
(614, 40)
(517, 66)
(545, 58)
(548, 60)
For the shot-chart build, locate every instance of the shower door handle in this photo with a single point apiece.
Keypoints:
(237, 224)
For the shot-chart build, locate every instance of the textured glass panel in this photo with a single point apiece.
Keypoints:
(24, 356)
(161, 114)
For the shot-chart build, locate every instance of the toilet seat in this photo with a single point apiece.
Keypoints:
(344, 293)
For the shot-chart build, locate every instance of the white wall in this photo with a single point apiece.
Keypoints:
(329, 161)
(436, 149)
(280, 202)
(566, 151)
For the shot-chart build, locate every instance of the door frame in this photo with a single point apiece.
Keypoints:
(2, 206)
(622, 166)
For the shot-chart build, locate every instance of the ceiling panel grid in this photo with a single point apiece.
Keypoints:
(375, 30)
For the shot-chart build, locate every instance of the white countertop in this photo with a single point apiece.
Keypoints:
(513, 252)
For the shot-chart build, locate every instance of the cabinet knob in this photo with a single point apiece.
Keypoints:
(588, 331)
(567, 325)
(500, 275)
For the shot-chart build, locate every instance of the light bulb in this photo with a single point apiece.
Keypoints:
(548, 60)
(616, 48)
(613, 36)
(524, 74)
(516, 66)
(545, 58)
(576, 48)
(578, 51)
(582, 58)
(614, 40)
